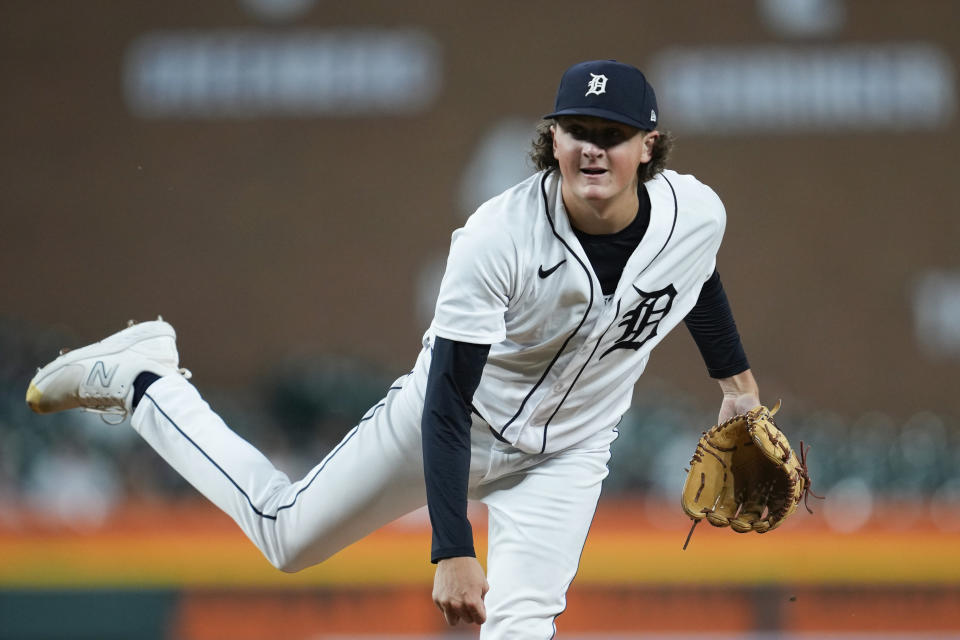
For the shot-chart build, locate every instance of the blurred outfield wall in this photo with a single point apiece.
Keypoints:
(183, 570)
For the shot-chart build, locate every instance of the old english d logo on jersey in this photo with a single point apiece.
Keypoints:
(641, 322)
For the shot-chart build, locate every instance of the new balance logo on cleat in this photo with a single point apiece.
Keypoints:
(99, 373)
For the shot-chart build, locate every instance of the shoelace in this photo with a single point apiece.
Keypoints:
(120, 412)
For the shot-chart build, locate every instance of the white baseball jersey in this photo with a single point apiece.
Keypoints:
(564, 360)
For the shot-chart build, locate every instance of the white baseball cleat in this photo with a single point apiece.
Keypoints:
(99, 377)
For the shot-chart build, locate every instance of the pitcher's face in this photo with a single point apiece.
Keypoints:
(599, 158)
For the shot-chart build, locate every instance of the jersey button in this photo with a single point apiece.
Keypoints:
(558, 387)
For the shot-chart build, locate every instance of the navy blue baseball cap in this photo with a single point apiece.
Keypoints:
(607, 89)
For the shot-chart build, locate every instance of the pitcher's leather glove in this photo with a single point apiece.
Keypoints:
(745, 475)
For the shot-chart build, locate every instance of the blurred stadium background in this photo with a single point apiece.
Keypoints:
(280, 178)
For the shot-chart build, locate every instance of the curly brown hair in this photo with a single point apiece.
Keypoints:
(541, 152)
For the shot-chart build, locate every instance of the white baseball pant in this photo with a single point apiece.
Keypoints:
(540, 506)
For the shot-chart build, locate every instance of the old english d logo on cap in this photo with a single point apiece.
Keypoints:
(597, 85)
(607, 89)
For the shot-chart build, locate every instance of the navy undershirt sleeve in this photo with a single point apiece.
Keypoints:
(455, 371)
(711, 324)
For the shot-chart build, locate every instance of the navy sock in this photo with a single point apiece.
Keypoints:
(140, 385)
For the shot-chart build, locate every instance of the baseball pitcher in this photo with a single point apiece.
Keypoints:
(555, 293)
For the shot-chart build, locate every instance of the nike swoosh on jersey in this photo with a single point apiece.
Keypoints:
(544, 273)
